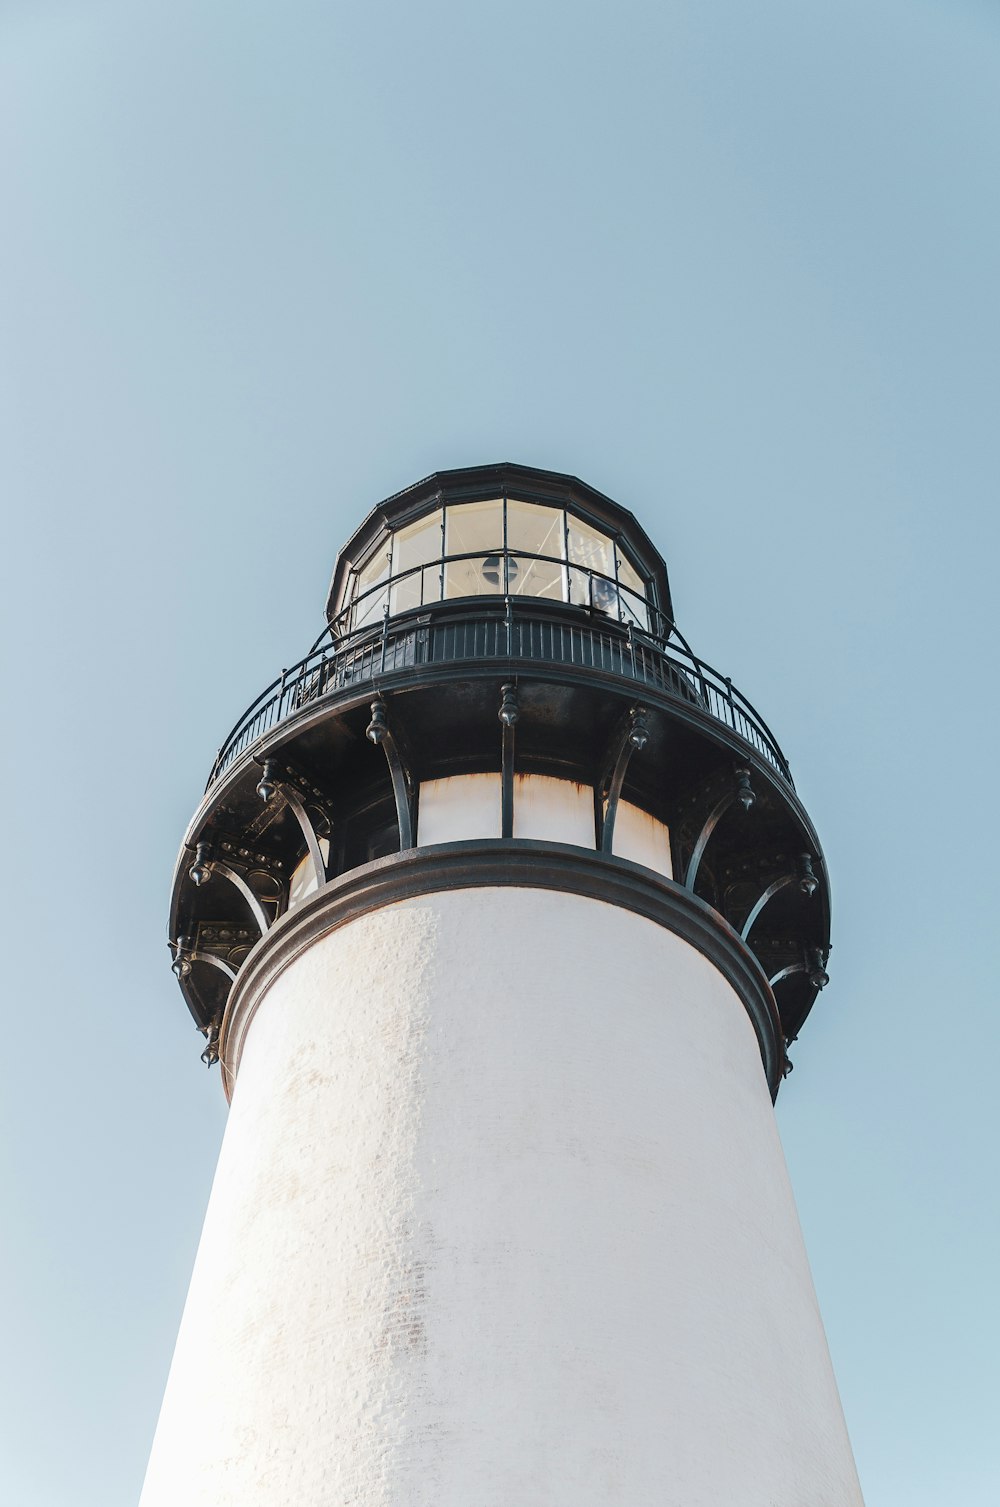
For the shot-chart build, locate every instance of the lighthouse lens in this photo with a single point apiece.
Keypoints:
(499, 547)
(631, 594)
(593, 550)
(414, 549)
(372, 595)
(540, 533)
(474, 532)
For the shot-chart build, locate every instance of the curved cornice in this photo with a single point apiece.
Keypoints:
(489, 863)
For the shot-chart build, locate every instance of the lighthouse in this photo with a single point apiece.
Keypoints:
(498, 916)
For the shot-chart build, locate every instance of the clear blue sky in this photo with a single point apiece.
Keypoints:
(264, 264)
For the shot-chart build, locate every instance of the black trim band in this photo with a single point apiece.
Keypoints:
(520, 863)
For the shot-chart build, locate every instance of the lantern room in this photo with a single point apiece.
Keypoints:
(500, 531)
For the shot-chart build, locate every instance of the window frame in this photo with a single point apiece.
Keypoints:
(624, 611)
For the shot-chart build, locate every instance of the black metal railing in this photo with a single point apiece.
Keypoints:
(528, 631)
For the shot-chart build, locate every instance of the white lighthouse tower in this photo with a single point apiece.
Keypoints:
(498, 914)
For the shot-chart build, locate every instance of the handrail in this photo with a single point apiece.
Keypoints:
(629, 601)
(521, 629)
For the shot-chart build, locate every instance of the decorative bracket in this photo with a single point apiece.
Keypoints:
(210, 1055)
(632, 737)
(508, 714)
(185, 955)
(807, 882)
(814, 965)
(742, 792)
(818, 976)
(204, 866)
(272, 784)
(379, 733)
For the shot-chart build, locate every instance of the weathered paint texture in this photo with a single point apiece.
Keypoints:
(501, 1219)
(641, 838)
(458, 808)
(468, 805)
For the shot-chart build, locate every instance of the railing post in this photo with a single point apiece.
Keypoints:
(385, 636)
(509, 613)
(631, 649)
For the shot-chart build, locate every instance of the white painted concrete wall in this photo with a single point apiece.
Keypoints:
(458, 808)
(552, 810)
(501, 1219)
(642, 838)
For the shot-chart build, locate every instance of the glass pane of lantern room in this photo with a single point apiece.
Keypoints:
(417, 545)
(595, 552)
(632, 594)
(474, 529)
(370, 602)
(536, 531)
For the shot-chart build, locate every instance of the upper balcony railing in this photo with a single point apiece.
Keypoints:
(502, 624)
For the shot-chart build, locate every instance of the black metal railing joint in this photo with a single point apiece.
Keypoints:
(532, 631)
